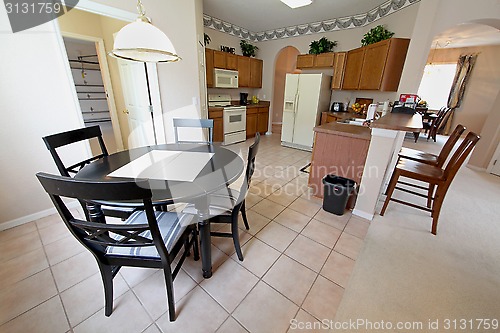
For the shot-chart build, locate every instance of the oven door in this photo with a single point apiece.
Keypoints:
(234, 120)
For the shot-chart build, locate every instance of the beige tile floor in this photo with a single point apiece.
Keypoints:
(298, 259)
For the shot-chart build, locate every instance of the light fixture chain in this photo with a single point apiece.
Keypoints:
(140, 8)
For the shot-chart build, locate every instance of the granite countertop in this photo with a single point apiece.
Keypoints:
(399, 122)
(352, 131)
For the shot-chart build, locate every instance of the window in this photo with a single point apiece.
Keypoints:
(436, 84)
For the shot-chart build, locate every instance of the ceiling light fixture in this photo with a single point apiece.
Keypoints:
(296, 3)
(142, 41)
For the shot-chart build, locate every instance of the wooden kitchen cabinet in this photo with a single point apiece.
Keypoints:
(252, 119)
(262, 120)
(327, 117)
(338, 69)
(219, 59)
(377, 66)
(231, 61)
(324, 60)
(209, 67)
(243, 71)
(353, 67)
(218, 131)
(255, 73)
(305, 61)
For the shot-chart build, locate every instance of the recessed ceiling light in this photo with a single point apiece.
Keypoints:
(296, 3)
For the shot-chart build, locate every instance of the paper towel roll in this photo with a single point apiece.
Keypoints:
(372, 108)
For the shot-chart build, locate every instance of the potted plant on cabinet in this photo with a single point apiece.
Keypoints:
(375, 35)
(247, 49)
(322, 46)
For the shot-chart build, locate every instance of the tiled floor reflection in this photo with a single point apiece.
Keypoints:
(298, 259)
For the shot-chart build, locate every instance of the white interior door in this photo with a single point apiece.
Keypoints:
(289, 107)
(137, 103)
(307, 109)
(495, 162)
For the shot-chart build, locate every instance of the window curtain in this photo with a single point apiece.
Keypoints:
(464, 68)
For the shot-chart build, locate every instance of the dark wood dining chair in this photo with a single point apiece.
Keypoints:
(55, 141)
(435, 176)
(226, 204)
(428, 158)
(147, 238)
(439, 122)
(194, 123)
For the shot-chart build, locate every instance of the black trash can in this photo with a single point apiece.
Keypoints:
(337, 191)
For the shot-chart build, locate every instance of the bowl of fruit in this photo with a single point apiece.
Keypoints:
(358, 108)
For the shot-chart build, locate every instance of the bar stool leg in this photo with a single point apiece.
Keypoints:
(390, 190)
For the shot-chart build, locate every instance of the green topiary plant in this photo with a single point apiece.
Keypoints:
(376, 35)
(321, 46)
(248, 49)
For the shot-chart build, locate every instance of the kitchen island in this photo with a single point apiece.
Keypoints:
(384, 139)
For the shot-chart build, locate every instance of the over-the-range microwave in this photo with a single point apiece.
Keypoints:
(225, 79)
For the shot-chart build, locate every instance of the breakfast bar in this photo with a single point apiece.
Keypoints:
(365, 154)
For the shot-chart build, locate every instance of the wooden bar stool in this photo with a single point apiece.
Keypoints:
(433, 175)
(427, 158)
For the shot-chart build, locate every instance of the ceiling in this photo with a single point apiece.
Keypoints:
(262, 15)
(467, 34)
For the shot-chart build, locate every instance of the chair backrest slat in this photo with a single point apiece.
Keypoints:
(58, 140)
(252, 153)
(450, 143)
(194, 123)
(458, 158)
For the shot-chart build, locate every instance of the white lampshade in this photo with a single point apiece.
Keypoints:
(296, 3)
(142, 41)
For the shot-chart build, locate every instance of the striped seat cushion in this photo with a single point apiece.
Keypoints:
(171, 227)
(221, 203)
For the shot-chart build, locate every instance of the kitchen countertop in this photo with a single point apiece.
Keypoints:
(262, 104)
(399, 122)
(352, 131)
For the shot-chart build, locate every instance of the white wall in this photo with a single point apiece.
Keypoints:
(36, 98)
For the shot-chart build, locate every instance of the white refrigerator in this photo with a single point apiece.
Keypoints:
(306, 96)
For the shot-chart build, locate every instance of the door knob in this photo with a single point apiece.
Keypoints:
(125, 111)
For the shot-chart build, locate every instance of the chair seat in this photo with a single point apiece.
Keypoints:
(171, 227)
(221, 203)
(418, 155)
(420, 171)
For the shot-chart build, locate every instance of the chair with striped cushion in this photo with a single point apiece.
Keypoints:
(148, 238)
(226, 204)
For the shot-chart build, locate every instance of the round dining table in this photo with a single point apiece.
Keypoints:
(222, 169)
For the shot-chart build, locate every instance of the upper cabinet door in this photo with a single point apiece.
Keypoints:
(243, 71)
(255, 73)
(353, 67)
(338, 69)
(231, 61)
(219, 59)
(209, 66)
(374, 63)
(324, 60)
(305, 61)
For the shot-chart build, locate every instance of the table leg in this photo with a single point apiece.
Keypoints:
(95, 213)
(205, 241)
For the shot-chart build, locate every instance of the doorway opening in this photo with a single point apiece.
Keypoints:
(286, 62)
(89, 86)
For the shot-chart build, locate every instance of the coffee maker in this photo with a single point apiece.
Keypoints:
(243, 98)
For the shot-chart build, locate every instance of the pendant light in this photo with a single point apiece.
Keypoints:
(142, 41)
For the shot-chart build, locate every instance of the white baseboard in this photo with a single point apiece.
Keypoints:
(475, 168)
(362, 214)
(33, 217)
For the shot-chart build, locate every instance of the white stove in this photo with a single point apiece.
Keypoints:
(234, 118)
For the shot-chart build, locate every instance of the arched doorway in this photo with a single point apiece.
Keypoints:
(286, 61)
